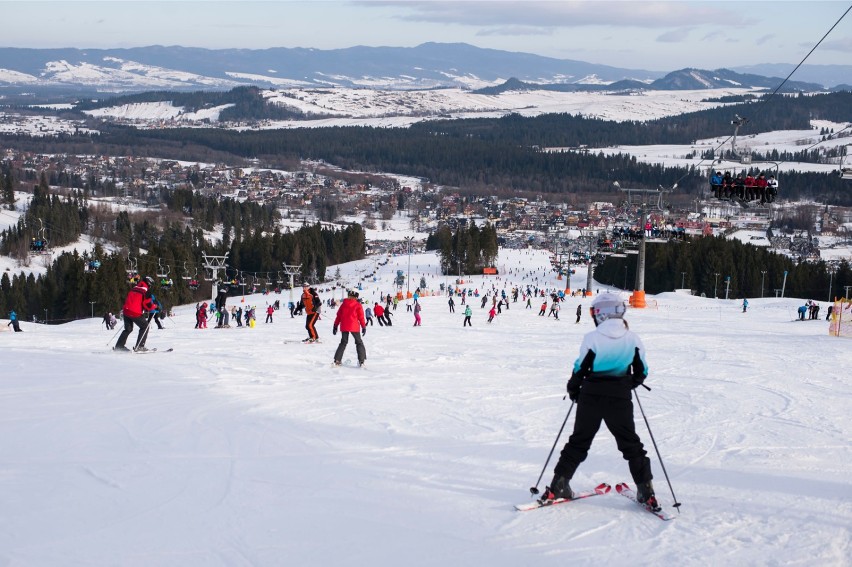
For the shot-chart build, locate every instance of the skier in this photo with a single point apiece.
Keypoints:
(417, 314)
(579, 313)
(745, 305)
(138, 301)
(379, 312)
(610, 365)
(312, 303)
(543, 309)
(491, 314)
(13, 321)
(452, 305)
(201, 317)
(350, 319)
(269, 311)
(156, 312)
(467, 314)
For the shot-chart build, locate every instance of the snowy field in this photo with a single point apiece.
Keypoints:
(241, 449)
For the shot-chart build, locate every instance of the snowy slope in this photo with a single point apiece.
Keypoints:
(239, 449)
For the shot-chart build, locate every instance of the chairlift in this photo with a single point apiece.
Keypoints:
(91, 266)
(163, 274)
(738, 165)
(846, 166)
(39, 244)
(132, 270)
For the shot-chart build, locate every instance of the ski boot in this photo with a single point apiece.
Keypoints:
(645, 496)
(559, 488)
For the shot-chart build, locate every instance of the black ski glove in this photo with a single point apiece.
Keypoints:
(363, 331)
(577, 377)
(573, 395)
(334, 330)
(636, 370)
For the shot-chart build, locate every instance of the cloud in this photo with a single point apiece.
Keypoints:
(674, 36)
(763, 39)
(843, 45)
(515, 31)
(559, 14)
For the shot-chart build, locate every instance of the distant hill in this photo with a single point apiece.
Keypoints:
(430, 65)
(684, 79)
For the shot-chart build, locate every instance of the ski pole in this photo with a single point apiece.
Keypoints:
(115, 335)
(144, 335)
(648, 425)
(534, 489)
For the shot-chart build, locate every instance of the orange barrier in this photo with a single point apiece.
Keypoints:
(637, 300)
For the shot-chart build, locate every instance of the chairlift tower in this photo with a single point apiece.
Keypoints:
(214, 264)
(292, 270)
(647, 200)
(564, 265)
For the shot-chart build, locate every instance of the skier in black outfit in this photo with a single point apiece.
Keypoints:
(611, 364)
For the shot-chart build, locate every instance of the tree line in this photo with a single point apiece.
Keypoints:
(704, 264)
(468, 250)
(159, 244)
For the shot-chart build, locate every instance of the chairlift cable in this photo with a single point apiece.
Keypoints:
(764, 100)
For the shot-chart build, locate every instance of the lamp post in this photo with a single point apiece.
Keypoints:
(45, 316)
(92, 303)
(763, 279)
(715, 284)
(727, 286)
(682, 279)
(408, 240)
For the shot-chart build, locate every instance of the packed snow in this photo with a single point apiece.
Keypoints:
(244, 446)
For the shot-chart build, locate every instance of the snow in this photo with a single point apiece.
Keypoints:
(240, 449)
(156, 111)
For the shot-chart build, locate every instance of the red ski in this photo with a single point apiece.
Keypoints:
(623, 489)
(602, 488)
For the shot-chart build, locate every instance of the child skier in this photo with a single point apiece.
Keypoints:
(610, 365)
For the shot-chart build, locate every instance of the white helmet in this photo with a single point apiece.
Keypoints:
(607, 306)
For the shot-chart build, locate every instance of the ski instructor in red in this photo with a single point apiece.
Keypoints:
(350, 320)
(138, 302)
(611, 364)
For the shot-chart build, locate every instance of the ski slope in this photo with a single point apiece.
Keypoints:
(239, 449)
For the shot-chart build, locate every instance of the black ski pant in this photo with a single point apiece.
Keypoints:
(359, 346)
(141, 322)
(617, 414)
(309, 325)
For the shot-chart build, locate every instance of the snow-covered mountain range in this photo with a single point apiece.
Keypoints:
(430, 65)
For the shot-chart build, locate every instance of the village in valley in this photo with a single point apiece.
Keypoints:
(374, 199)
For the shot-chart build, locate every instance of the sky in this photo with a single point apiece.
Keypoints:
(656, 36)
(245, 447)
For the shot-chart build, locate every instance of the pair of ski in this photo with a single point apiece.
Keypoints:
(149, 351)
(603, 488)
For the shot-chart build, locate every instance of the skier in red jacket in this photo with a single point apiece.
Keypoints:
(350, 320)
(136, 305)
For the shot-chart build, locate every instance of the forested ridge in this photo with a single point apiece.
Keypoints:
(500, 156)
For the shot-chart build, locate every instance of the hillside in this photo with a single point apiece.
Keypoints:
(238, 448)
